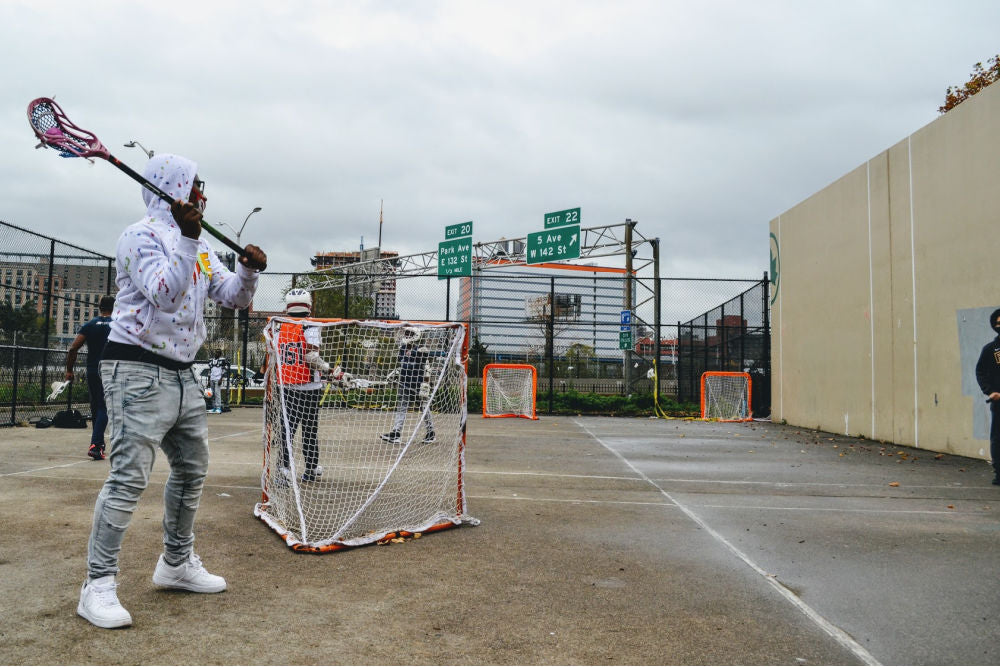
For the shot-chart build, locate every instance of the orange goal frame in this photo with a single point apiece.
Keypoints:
(706, 374)
(534, 390)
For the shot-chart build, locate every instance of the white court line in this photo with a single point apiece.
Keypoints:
(232, 435)
(89, 460)
(836, 633)
(719, 481)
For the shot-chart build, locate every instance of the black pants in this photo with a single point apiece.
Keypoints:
(302, 408)
(995, 436)
(98, 408)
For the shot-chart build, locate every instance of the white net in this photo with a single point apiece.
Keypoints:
(364, 430)
(509, 390)
(725, 396)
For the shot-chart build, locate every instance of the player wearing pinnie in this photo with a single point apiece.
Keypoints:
(300, 371)
(165, 274)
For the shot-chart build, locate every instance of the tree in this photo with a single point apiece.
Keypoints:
(25, 320)
(978, 80)
(329, 302)
(478, 357)
(579, 355)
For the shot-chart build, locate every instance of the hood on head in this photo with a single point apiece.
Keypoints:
(174, 175)
(993, 320)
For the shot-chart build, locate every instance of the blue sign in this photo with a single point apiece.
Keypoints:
(626, 322)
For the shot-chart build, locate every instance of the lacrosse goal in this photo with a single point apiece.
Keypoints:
(725, 396)
(509, 390)
(364, 431)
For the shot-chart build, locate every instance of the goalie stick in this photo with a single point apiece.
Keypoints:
(55, 130)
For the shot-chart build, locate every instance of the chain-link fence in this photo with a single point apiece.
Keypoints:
(734, 336)
(48, 289)
(567, 322)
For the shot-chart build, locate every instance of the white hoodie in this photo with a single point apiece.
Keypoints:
(164, 279)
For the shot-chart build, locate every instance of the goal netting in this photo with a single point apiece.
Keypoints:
(364, 431)
(725, 396)
(509, 390)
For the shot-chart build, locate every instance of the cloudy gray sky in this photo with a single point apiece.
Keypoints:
(702, 120)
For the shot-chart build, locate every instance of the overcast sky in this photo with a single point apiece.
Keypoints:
(701, 120)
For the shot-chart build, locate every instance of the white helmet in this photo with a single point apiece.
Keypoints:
(298, 302)
(409, 335)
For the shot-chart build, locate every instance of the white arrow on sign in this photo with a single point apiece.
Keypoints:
(572, 239)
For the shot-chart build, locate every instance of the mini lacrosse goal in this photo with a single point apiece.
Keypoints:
(364, 431)
(725, 396)
(509, 390)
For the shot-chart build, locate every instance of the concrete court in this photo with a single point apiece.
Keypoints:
(603, 541)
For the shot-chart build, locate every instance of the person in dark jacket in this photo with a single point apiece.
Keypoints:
(94, 334)
(988, 376)
(410, 376)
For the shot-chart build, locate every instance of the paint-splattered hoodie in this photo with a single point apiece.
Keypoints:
(164, 279)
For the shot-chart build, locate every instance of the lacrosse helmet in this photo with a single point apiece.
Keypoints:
(409, 335)
(298, 302)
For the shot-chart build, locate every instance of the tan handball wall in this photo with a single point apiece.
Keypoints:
(882, 284)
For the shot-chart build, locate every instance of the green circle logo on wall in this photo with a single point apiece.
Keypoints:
(775, 268)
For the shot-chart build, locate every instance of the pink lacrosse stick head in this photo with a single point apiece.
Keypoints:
(55, 130)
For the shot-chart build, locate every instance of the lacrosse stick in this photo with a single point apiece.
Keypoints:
(55, 130)
(57, 388)
(329, 384)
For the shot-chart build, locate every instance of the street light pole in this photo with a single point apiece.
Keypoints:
(134, 144)
(256, 209)
(236, 327)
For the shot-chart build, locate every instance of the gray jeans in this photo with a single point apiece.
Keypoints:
(149, 407)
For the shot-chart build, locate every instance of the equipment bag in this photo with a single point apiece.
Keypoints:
(69, 419)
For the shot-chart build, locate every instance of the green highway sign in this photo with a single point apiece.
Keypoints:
(458, 231)
(550, 245)
(625, 340)
(570, 216)
(455, 258)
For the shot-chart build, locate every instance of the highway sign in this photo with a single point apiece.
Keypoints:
(458, 231)
(570, 216)
(550, 245)
(455, 258)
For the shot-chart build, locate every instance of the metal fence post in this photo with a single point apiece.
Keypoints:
(15, 362)
(347, 295)
(551, 335)
(48, 320)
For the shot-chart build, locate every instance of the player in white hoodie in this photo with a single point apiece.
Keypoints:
(165, 273)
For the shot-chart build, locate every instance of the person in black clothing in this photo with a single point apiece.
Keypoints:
(412, 363)
(988, 376)
(94, 334)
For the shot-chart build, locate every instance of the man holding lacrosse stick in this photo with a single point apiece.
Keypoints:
(94, 334)
(165, 274)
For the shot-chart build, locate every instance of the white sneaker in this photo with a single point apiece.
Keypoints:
(188, 576)
(99, 603)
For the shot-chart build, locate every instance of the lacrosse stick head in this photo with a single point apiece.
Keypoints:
(57, 388)
(55, 130)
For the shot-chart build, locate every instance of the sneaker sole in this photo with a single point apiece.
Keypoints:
(182, 586)
(107, 624)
